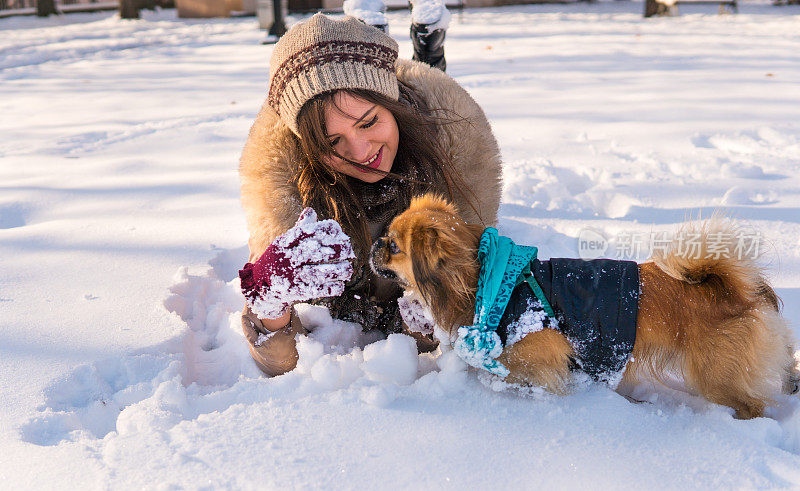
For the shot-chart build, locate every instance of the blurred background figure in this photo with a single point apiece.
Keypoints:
(429, 21)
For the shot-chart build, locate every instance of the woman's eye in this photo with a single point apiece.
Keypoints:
(371, 122)
(334, 142)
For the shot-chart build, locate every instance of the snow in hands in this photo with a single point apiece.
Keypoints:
(311, 260)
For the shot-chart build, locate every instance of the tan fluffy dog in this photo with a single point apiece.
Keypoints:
(715, 321)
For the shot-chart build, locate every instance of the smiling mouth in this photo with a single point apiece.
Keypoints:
(372, 163)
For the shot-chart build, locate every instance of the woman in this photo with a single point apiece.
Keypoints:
(351, 134)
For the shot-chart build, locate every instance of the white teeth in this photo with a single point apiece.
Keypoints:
(371, 160)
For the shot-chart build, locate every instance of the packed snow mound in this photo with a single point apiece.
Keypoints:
(393, 360)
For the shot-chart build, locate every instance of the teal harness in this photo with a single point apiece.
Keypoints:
(504, 266)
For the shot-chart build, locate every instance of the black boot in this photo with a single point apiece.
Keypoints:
(380, 27)
(428, 46)
(364, 9)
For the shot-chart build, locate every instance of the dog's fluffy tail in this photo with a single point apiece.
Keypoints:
(722, 256)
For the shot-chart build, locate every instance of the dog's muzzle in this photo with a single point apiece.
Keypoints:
(377, 259)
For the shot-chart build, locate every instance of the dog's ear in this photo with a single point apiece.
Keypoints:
(426, 263)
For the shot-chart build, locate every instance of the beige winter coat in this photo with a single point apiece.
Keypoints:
(272, 203)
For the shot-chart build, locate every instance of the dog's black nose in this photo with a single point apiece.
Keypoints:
(376, 259)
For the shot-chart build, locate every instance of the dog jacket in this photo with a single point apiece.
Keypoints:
(593, 303)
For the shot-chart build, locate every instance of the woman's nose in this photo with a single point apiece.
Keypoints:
(357, 149)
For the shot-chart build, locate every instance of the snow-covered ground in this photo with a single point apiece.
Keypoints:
(122, 363)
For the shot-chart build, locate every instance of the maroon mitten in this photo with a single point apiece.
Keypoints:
(311, 260)
(415, 314)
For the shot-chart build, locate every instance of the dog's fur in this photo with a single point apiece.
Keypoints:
(715, 321)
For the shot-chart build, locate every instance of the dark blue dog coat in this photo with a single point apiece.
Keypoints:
(595, 305)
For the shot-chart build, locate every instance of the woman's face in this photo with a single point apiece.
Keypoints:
(362, 132)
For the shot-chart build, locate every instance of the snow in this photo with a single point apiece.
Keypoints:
(415, 315)
(310, 260)
(123, 362)
(372, 12)
(532, 320)
(431, 13)
(392, 360)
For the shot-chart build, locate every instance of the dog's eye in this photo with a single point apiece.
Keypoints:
(393, 249)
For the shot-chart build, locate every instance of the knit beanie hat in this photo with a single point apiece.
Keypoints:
(324, 54)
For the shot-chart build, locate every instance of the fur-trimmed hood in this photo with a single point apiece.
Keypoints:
(270, 197)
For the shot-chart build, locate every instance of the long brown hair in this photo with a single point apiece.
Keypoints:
(421, 165)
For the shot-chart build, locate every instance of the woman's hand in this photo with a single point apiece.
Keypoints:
(274, 352)
(311, 260)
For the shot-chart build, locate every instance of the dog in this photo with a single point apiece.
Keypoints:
(713, 319)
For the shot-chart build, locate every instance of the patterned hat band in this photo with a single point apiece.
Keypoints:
(329, 53)
(324, 54)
